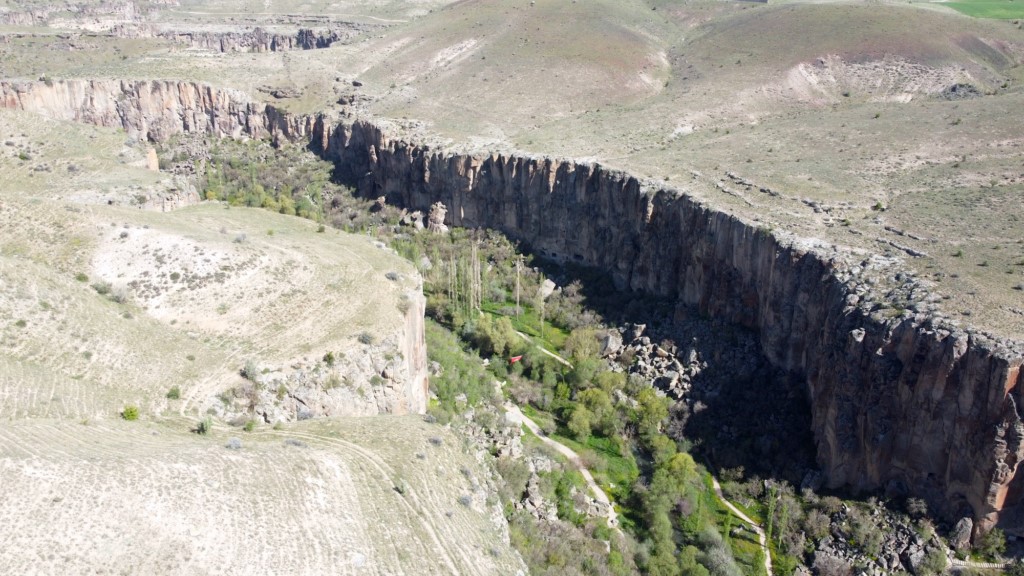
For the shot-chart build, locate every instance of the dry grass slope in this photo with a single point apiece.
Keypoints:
(311, 499)
(105, 304)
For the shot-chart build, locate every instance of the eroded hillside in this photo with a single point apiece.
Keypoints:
(133, 318)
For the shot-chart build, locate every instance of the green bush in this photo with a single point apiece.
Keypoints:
(174, 393)
(204, 426)
(130, 412)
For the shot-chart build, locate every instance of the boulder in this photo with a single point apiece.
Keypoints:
(960, 536)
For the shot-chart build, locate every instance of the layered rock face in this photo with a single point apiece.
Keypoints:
(258, 40)
(154, 110)
(901, 401)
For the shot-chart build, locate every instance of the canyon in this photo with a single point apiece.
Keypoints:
(902, 398)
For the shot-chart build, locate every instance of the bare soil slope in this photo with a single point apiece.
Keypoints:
(108, 302)
(359, 496)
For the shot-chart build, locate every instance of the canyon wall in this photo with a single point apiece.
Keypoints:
(154, 110)
(257, 40)
(900, 400)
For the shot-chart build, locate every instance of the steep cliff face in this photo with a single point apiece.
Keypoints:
(258, 40)
(413, 354)
(154, 110)
(900, 400)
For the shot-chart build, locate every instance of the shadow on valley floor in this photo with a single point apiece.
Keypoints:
(739, 411)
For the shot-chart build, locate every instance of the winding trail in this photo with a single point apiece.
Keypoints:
(514, 414)
(761, 538)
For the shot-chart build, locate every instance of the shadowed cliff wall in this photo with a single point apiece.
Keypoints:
(898, 402)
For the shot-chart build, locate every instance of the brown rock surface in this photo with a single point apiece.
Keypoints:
(898, 394)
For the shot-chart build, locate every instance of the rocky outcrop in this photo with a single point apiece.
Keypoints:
(154, 110)
(259, 40)
(89, 13)
(901, 399)
(370, 378)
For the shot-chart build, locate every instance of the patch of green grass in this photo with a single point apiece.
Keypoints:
(529, 323)
(994, 9)
(744, 545)
(614, 473)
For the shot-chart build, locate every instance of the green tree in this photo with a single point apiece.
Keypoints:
(993, 544)
(688, 563)
(651, 410)
(582, 343)
(580, 423)
(599, 404)
(287, 205)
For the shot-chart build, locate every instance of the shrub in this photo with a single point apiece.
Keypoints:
(174, 393)
(204, 426)
(130, 412)
(82, 277)
(250, 425)
(401, 486)
(934, 562)
(366, 338)
(916, 507)
(102, 288)
(992, 544)
(251, 370)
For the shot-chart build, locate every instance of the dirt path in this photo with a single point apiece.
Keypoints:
(761, 539)
(516, 415)
(544, 350)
